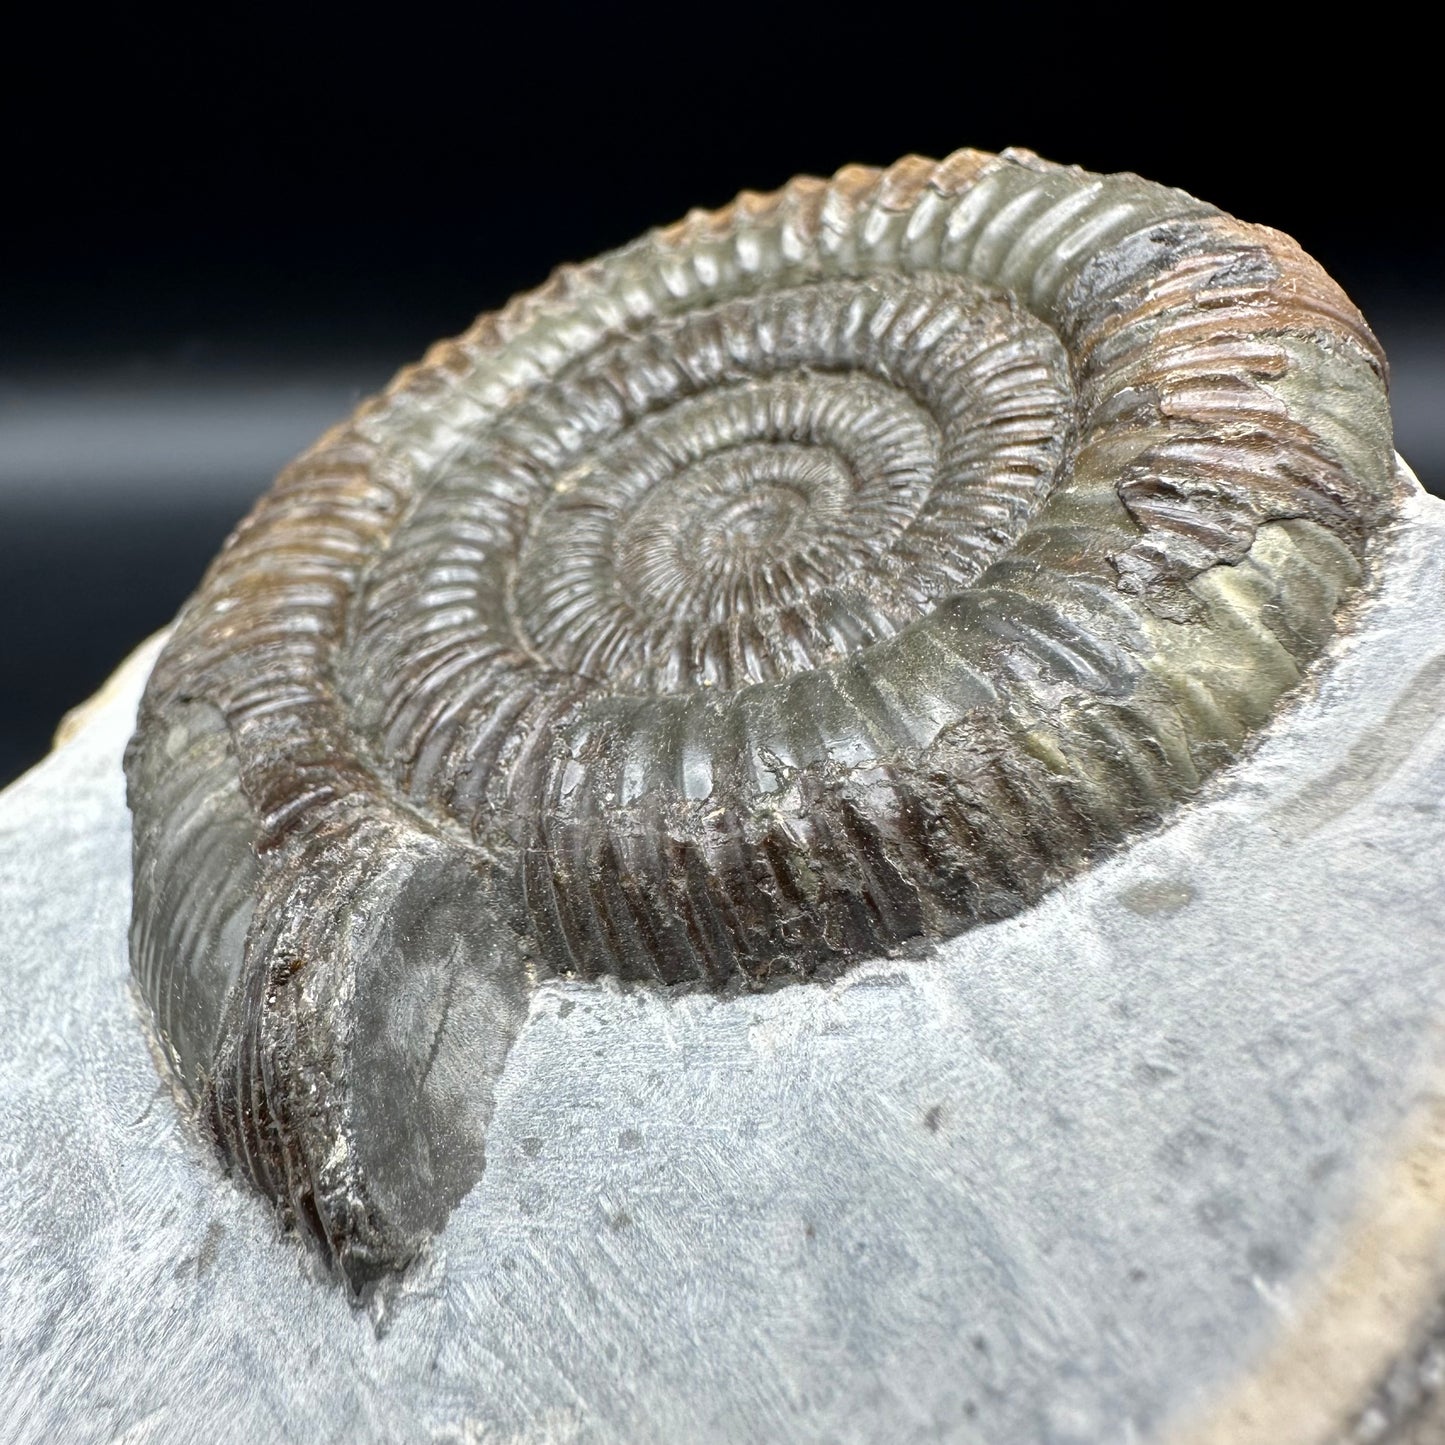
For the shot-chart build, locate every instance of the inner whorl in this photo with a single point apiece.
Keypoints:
(812, 578)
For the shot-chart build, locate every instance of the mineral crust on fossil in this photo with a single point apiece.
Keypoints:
(806, 581)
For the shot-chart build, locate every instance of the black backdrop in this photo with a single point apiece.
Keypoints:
(218, 234)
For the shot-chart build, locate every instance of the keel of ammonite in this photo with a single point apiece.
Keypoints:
(806, 582)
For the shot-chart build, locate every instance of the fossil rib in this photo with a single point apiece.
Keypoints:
(823, 574)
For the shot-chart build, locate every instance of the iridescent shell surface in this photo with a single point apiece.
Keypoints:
(807, 581)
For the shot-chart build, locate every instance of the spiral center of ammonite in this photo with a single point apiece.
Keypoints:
(726, 523)
(807, 473)
(776, 499)
(732, 496)
(747, 524)
(753, 500)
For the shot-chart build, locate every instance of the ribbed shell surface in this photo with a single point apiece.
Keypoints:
(808, 580)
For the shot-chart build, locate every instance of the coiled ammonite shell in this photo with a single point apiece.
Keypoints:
(806, 581)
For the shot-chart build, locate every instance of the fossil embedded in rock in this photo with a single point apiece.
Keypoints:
(805, 580)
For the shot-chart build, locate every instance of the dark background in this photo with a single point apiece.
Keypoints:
(218, 235)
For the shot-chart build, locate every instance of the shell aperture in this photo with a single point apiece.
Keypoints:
(806, 581)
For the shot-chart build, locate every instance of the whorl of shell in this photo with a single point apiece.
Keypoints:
(806, 580)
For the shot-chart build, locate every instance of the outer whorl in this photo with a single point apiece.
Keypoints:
(809, 579)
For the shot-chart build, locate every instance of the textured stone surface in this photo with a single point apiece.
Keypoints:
(1158, 1159)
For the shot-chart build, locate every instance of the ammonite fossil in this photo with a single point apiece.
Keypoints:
(803, 582)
